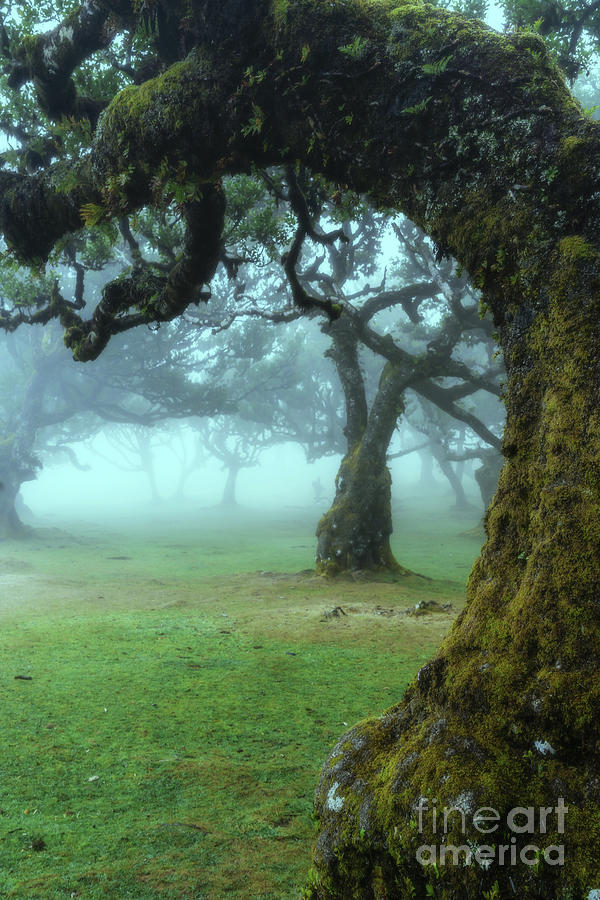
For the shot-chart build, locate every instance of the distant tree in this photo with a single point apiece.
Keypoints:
(32, 367)
(355, 533)
(335, 269)
(237, 444)
(48, 402)
(449, 448)
(285, 391)
(441, 437)
(133, 449)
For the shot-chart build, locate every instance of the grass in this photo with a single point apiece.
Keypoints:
(180, 702)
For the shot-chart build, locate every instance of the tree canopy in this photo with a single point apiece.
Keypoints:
(419, 108)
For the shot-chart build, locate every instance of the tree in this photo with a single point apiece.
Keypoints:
(282, 389)
(355, 533)
(33, 406)
(237, 444)
(134, 449)
(431, 422)
(476, 138)
(447, 445)
(48, 402)
(18, 463)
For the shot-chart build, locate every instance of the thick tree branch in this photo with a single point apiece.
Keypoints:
(408, 297)
(344, 352)
(436, 394)
(50, 59)
(407, 152)
(157, 298)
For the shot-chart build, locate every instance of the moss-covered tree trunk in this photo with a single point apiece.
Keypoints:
(355, 532)
(507, 715)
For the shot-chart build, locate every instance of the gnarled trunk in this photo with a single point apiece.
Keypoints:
(355, 532)
(507, 715)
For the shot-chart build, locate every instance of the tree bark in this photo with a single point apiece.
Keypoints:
(344, 353)
(355, 532)
(506, 714)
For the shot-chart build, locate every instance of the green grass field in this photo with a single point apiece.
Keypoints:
(169, 693)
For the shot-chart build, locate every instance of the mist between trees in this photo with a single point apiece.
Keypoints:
(370, 229)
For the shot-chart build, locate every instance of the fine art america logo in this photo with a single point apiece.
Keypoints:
(519, 821)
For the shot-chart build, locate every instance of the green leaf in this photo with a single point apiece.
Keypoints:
(356, 49)
(438, 67)
(92, 213)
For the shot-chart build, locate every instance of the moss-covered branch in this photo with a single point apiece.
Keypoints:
(344, 353)
(148, 296)
(49, 60)
(482, 130)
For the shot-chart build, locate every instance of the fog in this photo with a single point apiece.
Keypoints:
(283, 481)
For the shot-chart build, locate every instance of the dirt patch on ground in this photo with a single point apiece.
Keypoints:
(262, 605)
(282, 606)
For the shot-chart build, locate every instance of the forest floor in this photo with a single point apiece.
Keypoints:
(170, 691)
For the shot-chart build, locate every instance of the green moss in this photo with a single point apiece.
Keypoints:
(280, 11)
(531, 42)
(144, 124)
(573, 144)
(575, 248)
(520, 664)
(355, 532)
